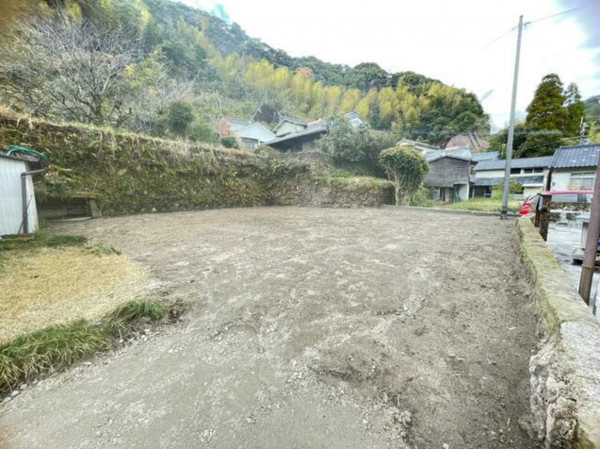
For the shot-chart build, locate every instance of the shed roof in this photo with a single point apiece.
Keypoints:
(576, 156)
(14, 159)
(462, 154)
(528, 162)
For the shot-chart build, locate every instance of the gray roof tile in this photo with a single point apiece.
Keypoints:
(529, 162)
(576, 156)
(490, 156)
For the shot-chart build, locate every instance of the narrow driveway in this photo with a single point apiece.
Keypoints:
(306, 328)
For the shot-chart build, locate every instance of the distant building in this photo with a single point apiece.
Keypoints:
(288, 125)
(298, 135)
(249, 135)
(449, 174)
(531, 173)
(574, 168)
(305, 139)
(472, 141)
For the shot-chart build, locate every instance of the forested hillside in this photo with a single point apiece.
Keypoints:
(162, 68)
(592, 107)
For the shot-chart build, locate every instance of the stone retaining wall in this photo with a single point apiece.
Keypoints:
(128, 174)
(337, 192)
(565, 373)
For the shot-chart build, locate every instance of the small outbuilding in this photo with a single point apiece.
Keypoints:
(449, 174)
(18, 209)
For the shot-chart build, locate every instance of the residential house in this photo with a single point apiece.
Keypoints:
(288, 125)
(305, 139)
(298, 135)
(472, 141)
(449, 174)
(248, 134)
(574, 168)
(531, 173)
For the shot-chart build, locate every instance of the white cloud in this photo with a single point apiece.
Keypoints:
(437, 38)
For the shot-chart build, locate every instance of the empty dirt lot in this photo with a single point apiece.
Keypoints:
(306, 328)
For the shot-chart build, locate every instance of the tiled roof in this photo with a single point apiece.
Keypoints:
(529, 162)
(491, 156)
(318, 129)
(523, 180)
(576, 156)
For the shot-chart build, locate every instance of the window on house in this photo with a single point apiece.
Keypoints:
(582, 181)
(250, 144)
(515, 171)
(533, 170)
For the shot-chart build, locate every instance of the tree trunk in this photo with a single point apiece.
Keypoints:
(398, 196)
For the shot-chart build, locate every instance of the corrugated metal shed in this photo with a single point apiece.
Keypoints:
(11, 200)
(529, 162)
(523, 180)
(576, 156)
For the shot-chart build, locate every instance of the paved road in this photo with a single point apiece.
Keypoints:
(306, 328)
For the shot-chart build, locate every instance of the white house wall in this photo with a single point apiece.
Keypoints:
(490, 174)
(561, 180)
(530, 191)
(11, 203)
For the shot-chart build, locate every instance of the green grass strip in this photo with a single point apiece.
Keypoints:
(57, 347)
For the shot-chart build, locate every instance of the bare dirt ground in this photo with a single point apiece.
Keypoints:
(306, 328)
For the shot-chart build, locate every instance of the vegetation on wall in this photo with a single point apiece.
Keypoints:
(406, 168)
(128, 173)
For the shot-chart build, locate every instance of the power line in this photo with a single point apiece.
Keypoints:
(489, 44)
(453, 133)
(563, 12)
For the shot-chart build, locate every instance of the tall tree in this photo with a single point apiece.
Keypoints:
(547, 111)
(575, 108)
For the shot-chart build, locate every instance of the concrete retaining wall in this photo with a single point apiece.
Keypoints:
(565, 373)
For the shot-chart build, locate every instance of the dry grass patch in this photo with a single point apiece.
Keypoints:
(49, 286)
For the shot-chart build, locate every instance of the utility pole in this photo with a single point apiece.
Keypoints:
(591, 244)
(583, 128)
(511, 129)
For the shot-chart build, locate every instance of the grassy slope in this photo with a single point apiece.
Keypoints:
(58, 346)
(481, 204)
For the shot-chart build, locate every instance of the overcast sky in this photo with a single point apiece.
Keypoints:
(442, 39)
